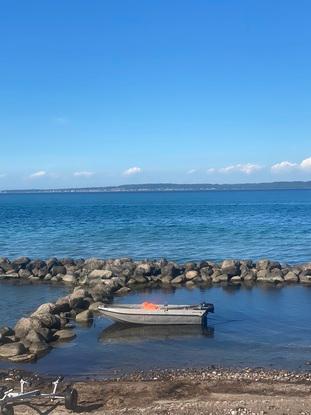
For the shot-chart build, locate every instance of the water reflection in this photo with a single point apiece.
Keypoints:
(118, 332)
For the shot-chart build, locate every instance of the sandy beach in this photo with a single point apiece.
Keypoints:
(209, 391)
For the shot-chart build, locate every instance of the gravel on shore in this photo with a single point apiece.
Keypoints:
(211, 390)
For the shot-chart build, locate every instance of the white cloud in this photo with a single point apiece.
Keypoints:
(211, 170)
(83, 173)
(40, 173)
(306, 164)
(191, 171)
(283, 166)
(132, 170)
(247, 168)
(2, 175)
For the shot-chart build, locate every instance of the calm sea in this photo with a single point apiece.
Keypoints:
(262, 326)
(180, 226)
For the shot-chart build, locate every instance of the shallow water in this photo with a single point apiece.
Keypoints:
(18, 298)
(262, 326)
(180, 226)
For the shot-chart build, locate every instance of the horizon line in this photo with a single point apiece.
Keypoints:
(144, 186)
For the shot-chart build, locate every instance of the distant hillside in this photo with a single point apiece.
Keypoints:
(173, 187)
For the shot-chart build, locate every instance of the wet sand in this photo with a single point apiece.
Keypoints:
(207, 391)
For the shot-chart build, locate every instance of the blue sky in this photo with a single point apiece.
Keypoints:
(111, 92)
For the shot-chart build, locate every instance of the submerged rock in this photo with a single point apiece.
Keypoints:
(65, 335)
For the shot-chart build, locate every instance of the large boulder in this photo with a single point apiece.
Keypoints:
(190, 275)
(84, 317)
(21, 262)
(58, 269)
(93, 263)
(230, 267)
(178, 280)
(23, 326)
(6, 331)
(12, 349)
(69, 279)
(291, 277)
(143, 269)
(24, 273)
(171, 269)
(5, 264)
(305, 276)
(45, 308)
(48, 320)
(100, 274)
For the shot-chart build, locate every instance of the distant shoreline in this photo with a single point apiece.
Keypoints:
(172, 187)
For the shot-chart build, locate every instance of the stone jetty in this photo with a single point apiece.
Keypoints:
(95, 281)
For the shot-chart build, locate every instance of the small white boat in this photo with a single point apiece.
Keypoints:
(148, 313)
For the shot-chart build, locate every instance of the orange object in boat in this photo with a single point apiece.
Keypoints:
(149, 306)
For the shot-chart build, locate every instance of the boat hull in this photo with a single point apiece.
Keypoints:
(158, 317)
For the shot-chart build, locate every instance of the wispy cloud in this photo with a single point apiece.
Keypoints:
(211, 170)
(2, 175)
(132, 170)
(40, 173)
(247, 168)
(283, 166)
(191, 171)
(83, 173)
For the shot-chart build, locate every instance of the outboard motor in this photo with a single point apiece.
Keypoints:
(208, 307)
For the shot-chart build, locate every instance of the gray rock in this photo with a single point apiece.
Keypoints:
(23, 326)
(190, 266)
(69, 279)
(34, 337)
(291, 277)
(122, 291)
(190, 275)
(94, 307)
(220, 278)
(249, 276)
(12, 349)
(58, 269)
(24, 273)
(140, 279)
(230, 267)
(45, 308)
(6, 331)
(48, 320)
(65, 335)
(305, 278)
(39, 348)
(23, 358)
(5, 339)
(100, 274)
(62, 305)
(93, 263)
(84, 316)
(236, 279)
(206, 272)
(178, 280)
(166, 279)
(171, 269)
(143, 269)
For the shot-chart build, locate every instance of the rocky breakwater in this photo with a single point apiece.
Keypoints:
(123, 274)
(96, 281)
